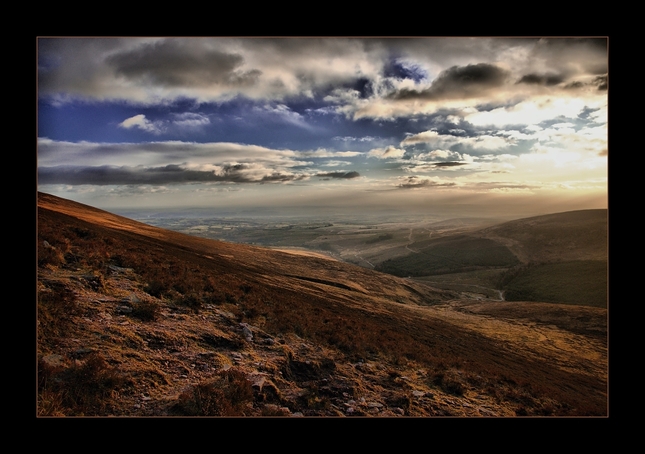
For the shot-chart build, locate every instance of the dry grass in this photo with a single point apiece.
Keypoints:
(85, 388)
(226, 395)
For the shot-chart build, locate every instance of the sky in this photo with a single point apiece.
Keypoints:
(511, 126)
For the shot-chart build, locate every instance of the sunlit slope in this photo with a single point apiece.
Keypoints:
(258, 264)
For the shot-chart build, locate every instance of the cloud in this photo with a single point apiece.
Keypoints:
(190, 120)
(530, 112)
(458, 82)
(181, 63)
(283, 113)
(170, 174)
(364, 78)
(386, 153)
(541, 79)
(415, 182)
(178, 122)
(322, 153)
(339, 175)
(152, 154)
(141, 122)
(355, 139)
(483, 141)
(449, 164)
(336, 163)
(439, 154)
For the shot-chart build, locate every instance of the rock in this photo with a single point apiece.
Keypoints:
(246, 330)
(223, 313)
(131, 298)
(257, 380)
(118, 269)
(416, 393)
(91, 281)
(54, 361)
(124, 309)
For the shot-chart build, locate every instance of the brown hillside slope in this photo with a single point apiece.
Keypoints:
(136, 320)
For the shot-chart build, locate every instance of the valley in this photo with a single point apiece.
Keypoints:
(554, 258)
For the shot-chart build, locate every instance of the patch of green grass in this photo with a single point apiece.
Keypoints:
(582, 282)
(384, 237)
(451, 255)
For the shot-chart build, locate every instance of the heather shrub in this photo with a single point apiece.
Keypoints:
(225, 395)
(56, 306)
(83, 389)
(191, 301)
(145, 311)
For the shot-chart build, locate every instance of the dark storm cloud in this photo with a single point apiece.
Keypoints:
(175, 63)
(170, 174)
(449, 164)
(458, 82)
(69, 65)
(541, 79)
(574, 85)
(281, 178)
(600, 82)
(342, 175)
(573, 55)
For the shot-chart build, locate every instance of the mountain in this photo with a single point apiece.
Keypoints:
(135, 320)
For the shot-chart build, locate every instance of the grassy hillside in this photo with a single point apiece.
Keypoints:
(581, 282)
(558, 258)
(450, 255)
(569, 236)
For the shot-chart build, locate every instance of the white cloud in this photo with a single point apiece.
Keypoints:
(386, 153)
(191, 120)
(322, 153)
(141, 122)
(485, 141)
(530, 112)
